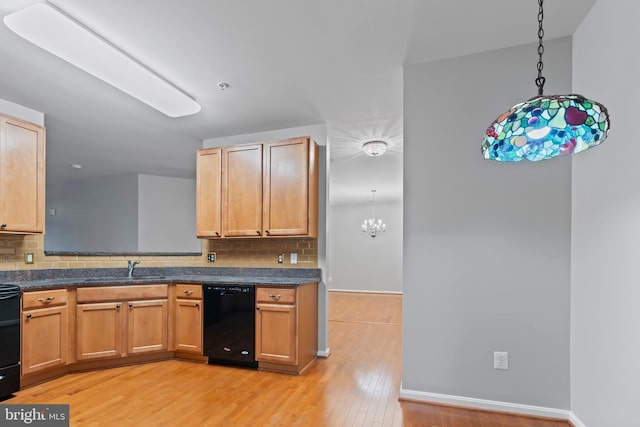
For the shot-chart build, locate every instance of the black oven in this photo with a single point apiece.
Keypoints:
(10, 339)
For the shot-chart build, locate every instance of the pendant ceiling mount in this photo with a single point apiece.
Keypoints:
(544, 127)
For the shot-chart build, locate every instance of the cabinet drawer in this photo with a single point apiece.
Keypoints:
(276, 295)
(121, 293)
(41, 299)
(189, 291)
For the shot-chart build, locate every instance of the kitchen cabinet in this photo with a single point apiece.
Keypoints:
(188, 318)
(44, 330)
(242, 191)
(22, 176)
(259, 190)
(290, 206)
(209, 193)
(286, 327)
(115, 321)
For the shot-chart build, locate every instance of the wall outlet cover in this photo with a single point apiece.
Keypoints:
(211, 257)
(294, 258)
(500, 360)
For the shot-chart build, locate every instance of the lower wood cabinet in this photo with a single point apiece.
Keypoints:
(188, 318)
(122, 323)
(286, 327)
(98, 330)
(44, 326)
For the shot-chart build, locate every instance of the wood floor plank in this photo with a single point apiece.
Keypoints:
(357, 385)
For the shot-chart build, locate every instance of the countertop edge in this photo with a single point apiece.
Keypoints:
(72, 283)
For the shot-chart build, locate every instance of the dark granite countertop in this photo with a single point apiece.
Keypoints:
(31, 280)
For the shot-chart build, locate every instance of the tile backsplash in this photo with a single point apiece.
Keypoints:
(229, 253)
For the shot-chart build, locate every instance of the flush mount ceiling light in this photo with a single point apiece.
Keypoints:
(51, 29)
(374, 148)
(546, 126)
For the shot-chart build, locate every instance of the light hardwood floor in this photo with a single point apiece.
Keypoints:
(356, 386)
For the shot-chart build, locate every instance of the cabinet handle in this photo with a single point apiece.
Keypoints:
(275, 297)
(258, 232)
(117, 306)
(216, 233)
(188, 292)
(130, 305)
(197, 305)
(257, 308)
(266, 231)
(28, 315)
(47, 299)
(4, 225)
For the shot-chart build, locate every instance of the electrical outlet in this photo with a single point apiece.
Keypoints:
(500, 360)
(211, 257)
(294, 258)
(280, 258)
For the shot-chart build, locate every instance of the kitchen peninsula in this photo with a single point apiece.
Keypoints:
(81, 319)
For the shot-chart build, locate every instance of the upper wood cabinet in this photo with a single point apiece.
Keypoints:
(22, 176)
(242, 191)
(208, 193)
(265, 190)
(291, 188)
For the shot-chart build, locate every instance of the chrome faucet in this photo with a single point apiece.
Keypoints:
(130, 267)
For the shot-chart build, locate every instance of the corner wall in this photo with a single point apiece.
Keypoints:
(605, 295)
(486, 245)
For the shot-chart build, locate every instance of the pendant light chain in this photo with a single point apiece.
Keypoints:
(540, 80)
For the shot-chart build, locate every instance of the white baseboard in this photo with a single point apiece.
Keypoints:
(324, 353)
(490, 405)
(575, 420)
(360, 291)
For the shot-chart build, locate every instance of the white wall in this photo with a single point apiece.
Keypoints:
(358, 262)
(605, 291)
(319, 134)
(486, 245)
(21, 112)
(85, 219)
(167, 214)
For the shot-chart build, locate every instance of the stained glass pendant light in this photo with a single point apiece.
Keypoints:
(546, 126)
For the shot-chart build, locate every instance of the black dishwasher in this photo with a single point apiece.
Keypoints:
(229, 324)
(9, 339)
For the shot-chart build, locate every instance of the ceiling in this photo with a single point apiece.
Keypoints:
(287, 62)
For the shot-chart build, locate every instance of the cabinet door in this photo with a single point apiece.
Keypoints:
(276, 333)
(208, 192)
(242, 191)
(147, 326)
(44, 339)
(98, 330)
(286, 187)
(22, 174)
(188, 325)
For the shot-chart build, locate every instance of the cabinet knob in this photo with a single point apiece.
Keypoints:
(117, 306)
(130, 305)
(197, 305)
(266, 231)
(216, 233)
(4, 226)
(28, 315)
(258, 232)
